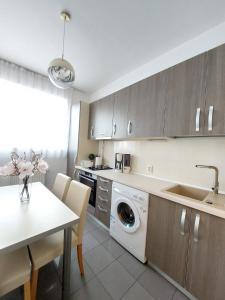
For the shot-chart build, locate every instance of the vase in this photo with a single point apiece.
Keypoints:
(25, 189)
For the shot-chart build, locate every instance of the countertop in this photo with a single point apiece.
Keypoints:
(158, 187)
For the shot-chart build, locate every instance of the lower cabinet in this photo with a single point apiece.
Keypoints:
(166, 244)
(103, 200)
(189, 246)
(206, 260)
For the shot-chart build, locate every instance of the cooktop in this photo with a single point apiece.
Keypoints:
(100, 168)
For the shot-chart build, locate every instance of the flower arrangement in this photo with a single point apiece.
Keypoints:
(24, 168)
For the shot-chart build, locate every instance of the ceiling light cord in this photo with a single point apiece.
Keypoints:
(64, 32)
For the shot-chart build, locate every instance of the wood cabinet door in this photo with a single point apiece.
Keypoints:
(206, 262)
(92, 119)
(167, 238)
(105, 116)
(147, 106)
(120, 113)
(215, 92)
(185, 98)
(100, 119)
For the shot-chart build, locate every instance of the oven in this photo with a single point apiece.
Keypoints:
(91, 181)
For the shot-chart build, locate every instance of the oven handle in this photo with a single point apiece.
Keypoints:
(87, 178)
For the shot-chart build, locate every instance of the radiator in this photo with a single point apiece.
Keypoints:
(11, 180)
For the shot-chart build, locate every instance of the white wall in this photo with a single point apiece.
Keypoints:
(174, 159)
(208, 40)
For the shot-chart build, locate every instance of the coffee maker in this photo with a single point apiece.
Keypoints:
(126, 163)
(119, 162)
(122, 162)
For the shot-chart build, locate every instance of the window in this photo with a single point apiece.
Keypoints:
(30, 118)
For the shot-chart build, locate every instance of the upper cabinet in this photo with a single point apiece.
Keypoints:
(139, 109)
(215, 92)
(120, 113)
(185, 98)
(100, 118)
(146, 107)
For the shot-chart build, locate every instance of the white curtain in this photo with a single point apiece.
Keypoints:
(34, 115)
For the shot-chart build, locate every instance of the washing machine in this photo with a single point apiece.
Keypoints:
(128, 220)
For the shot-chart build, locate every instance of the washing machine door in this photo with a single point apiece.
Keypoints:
(127, 215)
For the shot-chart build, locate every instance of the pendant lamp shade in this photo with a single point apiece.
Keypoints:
(60, 71)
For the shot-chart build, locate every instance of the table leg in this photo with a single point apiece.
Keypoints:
(66, 264)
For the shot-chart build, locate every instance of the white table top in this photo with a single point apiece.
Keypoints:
(22, 224)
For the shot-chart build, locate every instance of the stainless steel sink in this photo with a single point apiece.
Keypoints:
(186, 191)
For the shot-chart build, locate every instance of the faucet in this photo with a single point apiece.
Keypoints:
(216, 184)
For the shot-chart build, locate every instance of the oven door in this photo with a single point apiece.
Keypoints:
(92, 184)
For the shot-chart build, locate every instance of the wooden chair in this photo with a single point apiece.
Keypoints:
(61, 186)
(47, 249)
(15, 269)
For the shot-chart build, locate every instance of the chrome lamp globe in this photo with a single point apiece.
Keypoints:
(60, 71)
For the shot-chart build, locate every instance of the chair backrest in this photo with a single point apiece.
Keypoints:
(61, 186)
(77, 200)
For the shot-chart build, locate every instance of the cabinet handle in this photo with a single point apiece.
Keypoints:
(196, 228)
(114, 128)
(129, 128)
(182, 221)
(103, 180)
(210, 119)
(102, 199)
(92, 131)
(102, 209)
(197, 119)
(103, 190)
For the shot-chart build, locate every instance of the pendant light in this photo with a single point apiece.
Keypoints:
(60, 71)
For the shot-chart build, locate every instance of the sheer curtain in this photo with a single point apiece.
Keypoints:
(34, 115)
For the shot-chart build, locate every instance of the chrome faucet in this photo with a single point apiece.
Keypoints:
(216, 184)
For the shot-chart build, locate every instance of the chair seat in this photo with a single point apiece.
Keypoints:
(48, 248)
(15, 268)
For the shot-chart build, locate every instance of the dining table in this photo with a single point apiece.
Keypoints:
(22, 223)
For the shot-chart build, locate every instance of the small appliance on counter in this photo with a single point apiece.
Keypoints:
(122, 162)
(86, 163)
(126, 163)
(98, 162)
(118, 162)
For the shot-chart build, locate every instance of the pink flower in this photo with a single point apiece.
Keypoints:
(7, 170)
(42, 166)
(25, 169)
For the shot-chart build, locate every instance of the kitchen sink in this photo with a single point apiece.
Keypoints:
(186, 191)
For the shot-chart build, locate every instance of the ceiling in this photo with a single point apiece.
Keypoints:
(106, 38)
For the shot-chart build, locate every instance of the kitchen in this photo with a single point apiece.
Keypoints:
(179, 176)
(116, 172)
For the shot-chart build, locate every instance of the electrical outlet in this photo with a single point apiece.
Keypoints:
(150, 169)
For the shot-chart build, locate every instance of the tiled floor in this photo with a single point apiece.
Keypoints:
(111, 273)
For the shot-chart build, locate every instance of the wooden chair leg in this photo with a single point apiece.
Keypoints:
(34, 280)
(27, 291)
(80, 259)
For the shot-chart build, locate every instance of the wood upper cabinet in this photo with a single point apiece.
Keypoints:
(206, 261)
(146, 107)
(167, 238)
(101, 117)
(92, 119)
(185, 98)
(215, 92)
(120, 113)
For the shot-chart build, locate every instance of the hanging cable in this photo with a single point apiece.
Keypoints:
(64, 27)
